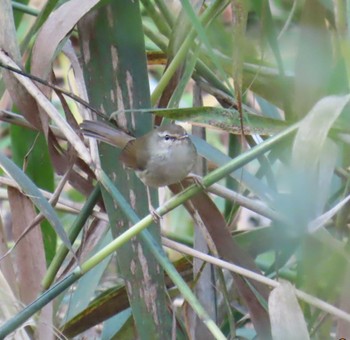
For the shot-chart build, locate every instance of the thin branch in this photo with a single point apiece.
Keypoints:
(54, 87)
(50, 110)
(40, 217)
(62, 204)
(312, 300)
(14, 118)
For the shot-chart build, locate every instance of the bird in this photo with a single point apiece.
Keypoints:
(163, 156)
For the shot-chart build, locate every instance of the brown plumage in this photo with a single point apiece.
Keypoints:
(161, 157)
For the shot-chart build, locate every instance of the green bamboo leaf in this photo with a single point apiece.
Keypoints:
(183, 82)
(268, 109)
(197, 24)
(220, 118)
(314, 158)
(113, 327)
(30, 189)
(255, 185)
(96, 309)
(314, 129)
(225, 119)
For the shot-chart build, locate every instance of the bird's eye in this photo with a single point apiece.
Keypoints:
(167, 137)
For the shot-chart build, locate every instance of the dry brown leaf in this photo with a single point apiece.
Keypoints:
(29, 257)
(54, 30)
(8, 44)
(230, 251)
(29, 254)
(69, 51)
(6, 265)
(343, 327)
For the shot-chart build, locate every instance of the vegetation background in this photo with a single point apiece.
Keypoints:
(264, 87)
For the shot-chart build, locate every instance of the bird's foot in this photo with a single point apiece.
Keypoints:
(198, 180)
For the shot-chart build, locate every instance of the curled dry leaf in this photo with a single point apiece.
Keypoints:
(287, 320)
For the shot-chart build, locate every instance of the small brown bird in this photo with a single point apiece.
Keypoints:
(161, 157)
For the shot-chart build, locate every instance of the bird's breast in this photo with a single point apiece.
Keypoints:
(168, 166)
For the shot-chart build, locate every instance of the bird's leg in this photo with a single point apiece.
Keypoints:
(156, 217)
(198, 180)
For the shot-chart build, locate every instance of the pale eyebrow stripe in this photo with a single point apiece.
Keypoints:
(164, 133)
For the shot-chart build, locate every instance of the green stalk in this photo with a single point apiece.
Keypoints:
(138, 228)
(159, 21)
(10, 325)
(73, 234)
(201, 68)
(175, 201)
(156, 38)
(164, 10)
(156, 250)
(182, 53)
(25, 9)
